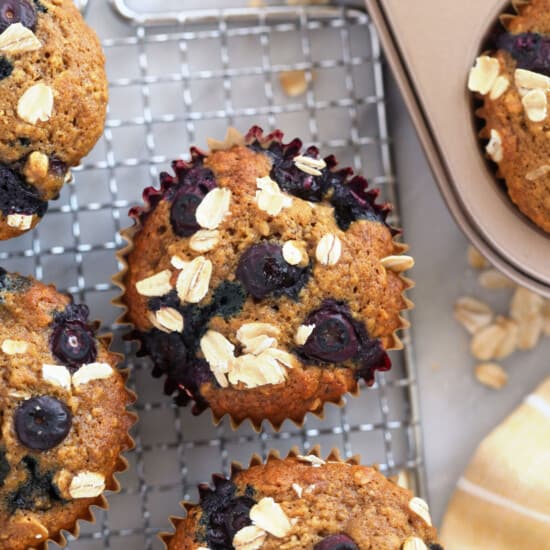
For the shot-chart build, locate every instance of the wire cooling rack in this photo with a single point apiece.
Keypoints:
(175, 79)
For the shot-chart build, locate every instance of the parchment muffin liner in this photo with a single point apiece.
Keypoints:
(127, 444)
(151, 196)
(256, 460)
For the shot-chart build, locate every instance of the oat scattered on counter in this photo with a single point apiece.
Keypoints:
(520, 328)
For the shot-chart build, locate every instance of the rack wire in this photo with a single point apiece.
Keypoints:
(175, 79)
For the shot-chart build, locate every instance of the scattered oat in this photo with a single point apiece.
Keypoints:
(529, 332)
(398, 263)
(329, 249)
(293, 83)
(494, 148)
(283, 357)
(36, 104)
(254, 371)
(194, 280)
(18, 39)
(535, 105)
(314, 460)
(420, 507)
(250, 537)
(92, 371)
(493, 279)
(156, 285)
(204, 240)
(170, 319)
(303, 333)
(87, 485)
(294, 253)
(14, 347)
(414, 543)
(310, 165)
(20, 221)
(472, 314)
(491, 375)
(270, 198)
(499, 87)
(58, 375)
(525, 304)
(403, 479)
(269, 516)
(497, 340)
(476, 259)
(213, 208)
(483, 75)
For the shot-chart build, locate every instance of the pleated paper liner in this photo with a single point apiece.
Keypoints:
(316, 403)
(361, 476)
(84, 512)
(503, 498)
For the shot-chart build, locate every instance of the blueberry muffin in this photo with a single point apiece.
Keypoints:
(304, 503)
(512, 80)
(53, 98)
(263, 282)
(63, 418)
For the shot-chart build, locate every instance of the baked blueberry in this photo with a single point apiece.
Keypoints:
(530, 50)
(262, 270)
(73, 343)
(16, 11)
(42, 423)
(17, 196)
(336, 542)
(334, 338)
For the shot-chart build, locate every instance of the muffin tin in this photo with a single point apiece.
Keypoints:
(431, 51)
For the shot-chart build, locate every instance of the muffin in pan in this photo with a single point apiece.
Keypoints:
(262, 281)
(512, 80)
(53, 100)
(63, 417)
(304, 503)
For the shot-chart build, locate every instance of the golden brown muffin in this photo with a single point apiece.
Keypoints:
(262, 286)
(304, 503)
(63, 414)
(513, 81)
(53, 98)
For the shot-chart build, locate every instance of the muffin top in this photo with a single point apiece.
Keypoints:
(513, 80)
(263, 282)
(304, 503)
(62, 410)
(53, 98)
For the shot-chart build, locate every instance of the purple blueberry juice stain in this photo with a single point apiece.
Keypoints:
(17, 196)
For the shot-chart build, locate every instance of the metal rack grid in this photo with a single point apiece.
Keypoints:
(172, 86)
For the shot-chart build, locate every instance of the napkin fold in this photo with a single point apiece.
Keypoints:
(502, 501)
